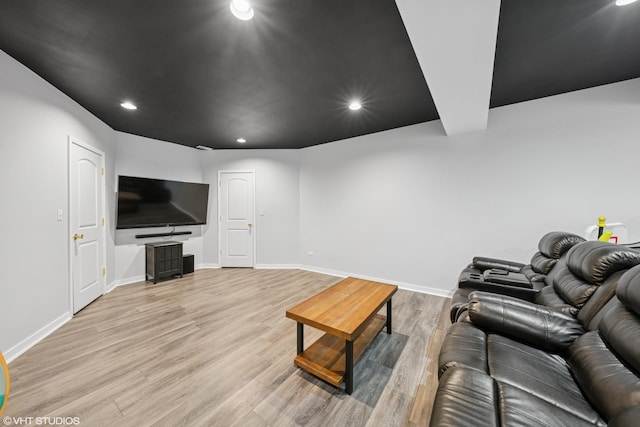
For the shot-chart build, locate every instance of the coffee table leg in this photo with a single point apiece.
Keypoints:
(348, 374)
(300, 337)
(389, 316)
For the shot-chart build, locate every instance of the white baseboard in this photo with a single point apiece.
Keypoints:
(126, 281)
(330, 272)
(137, 279)
(36, 337)
(402, 285)
(201, 266)
(277, 267)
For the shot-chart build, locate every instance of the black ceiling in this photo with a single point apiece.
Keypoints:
(284, 79)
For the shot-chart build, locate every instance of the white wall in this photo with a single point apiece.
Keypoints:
(150, 158)
(412, 206)
(35, 122)
(409, 205)
(277, 194)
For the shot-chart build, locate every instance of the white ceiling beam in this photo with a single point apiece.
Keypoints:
(455, 41)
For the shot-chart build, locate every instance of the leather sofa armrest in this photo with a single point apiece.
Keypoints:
(477, 282)
(484, 263)
(508, 278)
(533, 324)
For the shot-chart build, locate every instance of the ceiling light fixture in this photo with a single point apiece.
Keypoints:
(624, 2)
(241, 9)
(241, 140)
(355, 105)
(204, 148)
(128, 105)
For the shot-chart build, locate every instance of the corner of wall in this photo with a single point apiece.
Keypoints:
(36, 337)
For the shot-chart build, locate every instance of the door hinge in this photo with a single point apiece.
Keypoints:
(220, 218)
(101, 171)
(104, 271)
(103, 222)
(220, 184)
(220, 251)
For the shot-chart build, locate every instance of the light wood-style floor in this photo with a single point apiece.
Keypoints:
(215, 349)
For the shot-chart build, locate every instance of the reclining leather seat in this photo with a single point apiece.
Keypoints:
(603, 263)
(550, 248)
(585, 270)
(511, 278)
(588, 270)
(546, 377)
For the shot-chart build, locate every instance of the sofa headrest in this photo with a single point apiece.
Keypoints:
(628, 291)
(542, 264)
(594, 261)
(556, 243)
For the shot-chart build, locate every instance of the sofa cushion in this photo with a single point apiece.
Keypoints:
(572, 289)
(628, 291)
(555, 243)
(549, 298)
(591, 313)
(612, 388)
(531, 274)
(465, 398)
(537, 372)
(628, 418)
(620, 328)
(595, 261)
(541, 264)
(519, 408)
(465, 345)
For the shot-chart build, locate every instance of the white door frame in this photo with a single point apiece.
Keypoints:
(253, 214)
(103, 234)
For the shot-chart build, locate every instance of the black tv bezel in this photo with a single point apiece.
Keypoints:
(157, 225)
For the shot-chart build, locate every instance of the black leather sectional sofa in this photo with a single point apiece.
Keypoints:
(571, 358)
(512, 278)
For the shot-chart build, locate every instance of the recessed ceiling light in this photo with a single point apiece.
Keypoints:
(241, 140)
(355, 105)
(128, 105)
(624, 2)
(241, 9)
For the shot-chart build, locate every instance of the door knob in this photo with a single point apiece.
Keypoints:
(250, 225)
(78, 236)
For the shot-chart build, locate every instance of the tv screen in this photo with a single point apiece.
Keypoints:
(146, 202)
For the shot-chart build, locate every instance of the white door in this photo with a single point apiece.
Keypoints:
(235, 207)
(86, 223)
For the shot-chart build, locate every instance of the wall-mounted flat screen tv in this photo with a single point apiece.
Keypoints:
(146, 202)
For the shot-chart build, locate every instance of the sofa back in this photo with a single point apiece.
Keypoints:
(551, 248)
(606, 362)
(586, 281)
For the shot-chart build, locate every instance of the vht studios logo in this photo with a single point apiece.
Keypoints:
(4, 383)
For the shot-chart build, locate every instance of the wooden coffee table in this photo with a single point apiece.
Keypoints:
(348, 313)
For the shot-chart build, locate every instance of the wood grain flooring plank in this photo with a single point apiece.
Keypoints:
(215, 348)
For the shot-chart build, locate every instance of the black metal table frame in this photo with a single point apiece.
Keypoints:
(348, 365)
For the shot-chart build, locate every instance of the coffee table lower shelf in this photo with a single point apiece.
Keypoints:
(325, 358)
